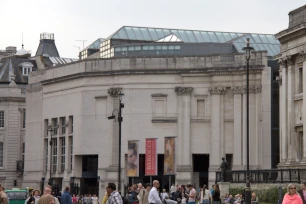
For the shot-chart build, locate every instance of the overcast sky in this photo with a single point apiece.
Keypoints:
(72, 20)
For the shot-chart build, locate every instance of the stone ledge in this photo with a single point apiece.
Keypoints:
(112, 169)
(298, 97)
(164, 120)
(158, 95)
(199, 120)
(184, 168)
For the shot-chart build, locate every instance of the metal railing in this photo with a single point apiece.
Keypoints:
(265, 176)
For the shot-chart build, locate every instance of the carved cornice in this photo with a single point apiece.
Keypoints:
(303, 54)
(279, 80)
(183, 90)
(282, 62)
(114, 91)
(288, 60)
(217, 90)
(242, 89)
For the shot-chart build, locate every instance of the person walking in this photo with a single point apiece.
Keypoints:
(302, 192)
(74, 199)
(216, 196)
(205, 195)
(95, 199)
(292, 197)
(153, 195)
(114, 196)
(66, 197)
(3, 197)
(192, 194)
(48, 191)
(46, 199)
(34, 198)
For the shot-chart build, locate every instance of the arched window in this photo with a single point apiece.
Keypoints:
(1, 154)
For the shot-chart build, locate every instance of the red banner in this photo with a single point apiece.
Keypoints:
(151, 158)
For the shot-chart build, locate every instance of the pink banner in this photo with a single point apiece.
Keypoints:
(151, 158)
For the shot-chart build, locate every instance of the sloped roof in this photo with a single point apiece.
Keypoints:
(258, 41)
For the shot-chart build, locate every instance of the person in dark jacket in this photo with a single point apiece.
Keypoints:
(66, 197)
(302, 192)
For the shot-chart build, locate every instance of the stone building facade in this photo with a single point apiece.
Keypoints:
(200, 100)
(292, 90)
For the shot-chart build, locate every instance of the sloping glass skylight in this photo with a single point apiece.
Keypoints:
(170, 38)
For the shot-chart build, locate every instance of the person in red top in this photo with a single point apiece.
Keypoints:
(292, 197)
(74, 199)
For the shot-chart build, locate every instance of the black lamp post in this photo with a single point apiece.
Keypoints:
(52, 131)
(247, 50)
(120, 120)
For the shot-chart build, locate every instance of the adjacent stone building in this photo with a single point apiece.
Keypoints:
(292, 71)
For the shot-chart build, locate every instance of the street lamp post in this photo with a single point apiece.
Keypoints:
(120, 120)
(247, 50)
(52, 131)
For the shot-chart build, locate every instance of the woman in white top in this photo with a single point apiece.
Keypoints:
(205, 195)
(94, 199)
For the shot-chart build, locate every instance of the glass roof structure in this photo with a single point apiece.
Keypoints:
(259, 41)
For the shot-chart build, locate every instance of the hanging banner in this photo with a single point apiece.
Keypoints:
(133, 156)
(151, 158)
(169, 156)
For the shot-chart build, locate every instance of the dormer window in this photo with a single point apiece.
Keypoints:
(26, 68)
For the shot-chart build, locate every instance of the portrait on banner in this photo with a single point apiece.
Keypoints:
(169, 156)
(132, 161)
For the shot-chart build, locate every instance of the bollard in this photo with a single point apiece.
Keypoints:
(280, 195)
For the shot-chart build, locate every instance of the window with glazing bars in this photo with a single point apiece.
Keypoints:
(24, 118)
(1, 119)
(71, 124)
(71, 152)
(1, 154)
(54, 121)
(63, 154)
(23, 151)
(54, 153)
(63, 125)
(46, 154)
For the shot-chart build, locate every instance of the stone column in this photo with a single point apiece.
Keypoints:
(114, 93)
(290, 111)
(283, 113)
(184, 168)
(216, 127)
(237, 157)
(303, 54)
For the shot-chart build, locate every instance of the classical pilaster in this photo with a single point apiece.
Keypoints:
(237, 157)
(303, 54)
(290, 111)
(216, 126)
(114, 93)
(283, 82)
(184, 168)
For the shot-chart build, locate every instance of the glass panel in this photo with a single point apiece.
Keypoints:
(240, 34)
(264, 38)
(277, 47)
(145, 47)
(123, 48)
(233, 35)
(213, 37)
(220, 37)
(158, 47)
(191, 36)
(122, 34)
(242, 46)
(153, 34)
(164, 47)
(130, 33)
(175, 32)
(184, 36)
(137, 47)
(145, 33)
(261, 47)
(167, 32)
(117, 49)
(198, 36)
(138, 34)
(270, 52)
(238, 47)
(256, 38)
(177, 47)
(227, 36)
(271, 39)
(160, 33)
(273, 49)
(206, 36)
(151, 47)
(256, 48)
(131, 48)
(171, 47)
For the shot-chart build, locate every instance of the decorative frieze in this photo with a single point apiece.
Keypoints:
(114, 91)
(217, 90)
(183, 90)
(242, 89)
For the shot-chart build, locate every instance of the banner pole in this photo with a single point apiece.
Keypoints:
(151, 180)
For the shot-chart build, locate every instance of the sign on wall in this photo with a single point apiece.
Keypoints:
(151, 158)
(133, 159)
(169, 156)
